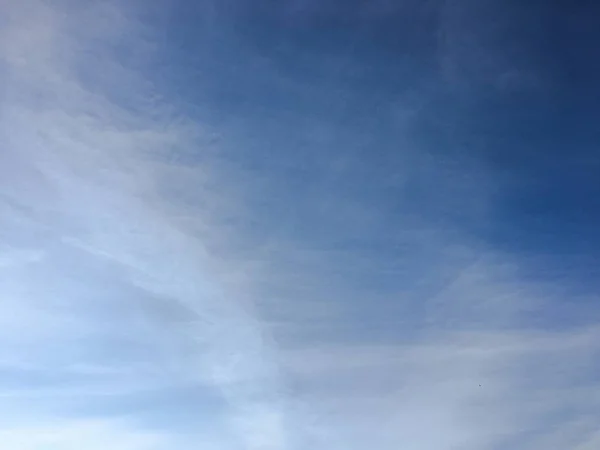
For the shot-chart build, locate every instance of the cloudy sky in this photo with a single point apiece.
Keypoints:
(304, 224)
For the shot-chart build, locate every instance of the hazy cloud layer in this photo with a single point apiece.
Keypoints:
(311, 224)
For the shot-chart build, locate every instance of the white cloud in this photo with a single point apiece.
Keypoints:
(80, 434)
(472, 390)
(80, 165)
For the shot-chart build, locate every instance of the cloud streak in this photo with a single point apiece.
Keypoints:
(97, 219)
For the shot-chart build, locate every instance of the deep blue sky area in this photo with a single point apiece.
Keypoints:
(518, 100)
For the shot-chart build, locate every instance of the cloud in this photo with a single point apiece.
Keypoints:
(285, 276)
(479, 389)
(75, 434)
(79, 164)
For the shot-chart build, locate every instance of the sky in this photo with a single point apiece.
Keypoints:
(260, 225)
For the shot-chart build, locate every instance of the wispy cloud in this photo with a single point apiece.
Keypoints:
(120, 288)
(169, 280)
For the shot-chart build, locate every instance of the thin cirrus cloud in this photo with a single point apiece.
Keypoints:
(223, 233)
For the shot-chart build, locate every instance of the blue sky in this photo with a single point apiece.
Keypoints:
(299, 224)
